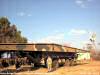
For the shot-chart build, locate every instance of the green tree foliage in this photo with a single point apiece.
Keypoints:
(9, 33)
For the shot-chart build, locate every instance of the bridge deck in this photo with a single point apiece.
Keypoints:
(38, 47)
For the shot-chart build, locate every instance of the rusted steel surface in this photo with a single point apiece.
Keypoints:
(38, 47)
(10, 47)
(81, 51)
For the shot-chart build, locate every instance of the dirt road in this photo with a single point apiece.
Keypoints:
(92, 68)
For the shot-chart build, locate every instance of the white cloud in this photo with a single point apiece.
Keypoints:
(77, 32)
(56, 31)
(29, 14)
(79, 1)
(82, 3)
(23, 14)
(58, 38)
(30, 41)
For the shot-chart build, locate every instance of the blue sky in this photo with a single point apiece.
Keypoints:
(68, 22)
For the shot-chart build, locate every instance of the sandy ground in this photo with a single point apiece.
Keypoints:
(92, 68)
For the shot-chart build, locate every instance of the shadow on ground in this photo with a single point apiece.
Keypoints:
(8, 71)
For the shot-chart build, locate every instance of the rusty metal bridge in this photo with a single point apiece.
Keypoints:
(38, 47)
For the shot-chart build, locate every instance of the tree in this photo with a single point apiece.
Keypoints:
(4, 21)
(9, 33)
